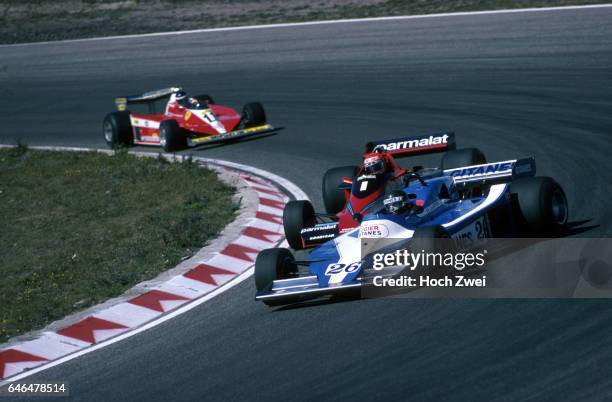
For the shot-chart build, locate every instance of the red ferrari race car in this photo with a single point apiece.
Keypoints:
(185, 121)
(351, 192)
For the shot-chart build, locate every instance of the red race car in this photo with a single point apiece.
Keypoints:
(351, 192)
(184, 122)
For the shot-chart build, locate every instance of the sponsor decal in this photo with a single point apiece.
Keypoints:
(416, 143)
(149, 138)
(139, 122)
(484, 169)
(373, 230)
(391, 200)
(254, 129)
(201, 139)
(121, 103)
(187, 115)
(318, 228)
(473, 234)
(320, 237)
(231, 134)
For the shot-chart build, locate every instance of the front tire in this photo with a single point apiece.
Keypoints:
(117, 129)
(171, 136)
(253, 115)
(334, 198)
(542, 205)
(462, 157)
(297, 215)
(272, 264)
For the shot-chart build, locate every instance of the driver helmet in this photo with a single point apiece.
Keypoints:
(396, 202)
(181, 97)
(374, 164)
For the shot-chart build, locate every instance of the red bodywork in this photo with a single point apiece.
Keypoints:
(360, 197)
(223, 119)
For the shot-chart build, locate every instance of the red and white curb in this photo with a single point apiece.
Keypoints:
(207, 278)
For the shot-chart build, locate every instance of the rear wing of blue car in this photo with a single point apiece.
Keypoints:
(415, 145)
(493, 173)
(146, 98)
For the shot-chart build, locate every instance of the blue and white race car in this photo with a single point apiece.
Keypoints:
(463, 201)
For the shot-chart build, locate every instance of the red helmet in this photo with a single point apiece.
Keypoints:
(374, 163)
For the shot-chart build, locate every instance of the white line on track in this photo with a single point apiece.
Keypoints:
(324, 22)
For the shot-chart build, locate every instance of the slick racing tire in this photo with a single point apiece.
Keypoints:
(205, 98)
(297, 215)
(542, 205)
(333, 197)
(462, 157)
(272, 264)
(253, 115)
(117, 129)
(171, 136)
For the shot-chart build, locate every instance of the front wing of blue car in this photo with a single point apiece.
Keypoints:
(306, 287)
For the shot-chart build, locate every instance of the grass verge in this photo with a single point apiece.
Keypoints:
(43, 20)
(79, 228)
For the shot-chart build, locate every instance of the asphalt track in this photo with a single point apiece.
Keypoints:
(514, 85)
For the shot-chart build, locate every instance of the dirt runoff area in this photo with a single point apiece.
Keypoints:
(48, 20)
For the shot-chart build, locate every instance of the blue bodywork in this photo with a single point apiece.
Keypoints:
(436, 211)
(460, 200)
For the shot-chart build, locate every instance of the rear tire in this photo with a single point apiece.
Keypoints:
(117, 129)
(462, 157)
(297, 215)
(171, 136)
(253, 115)
(334, 198)
(542, 204)
(272, 264)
